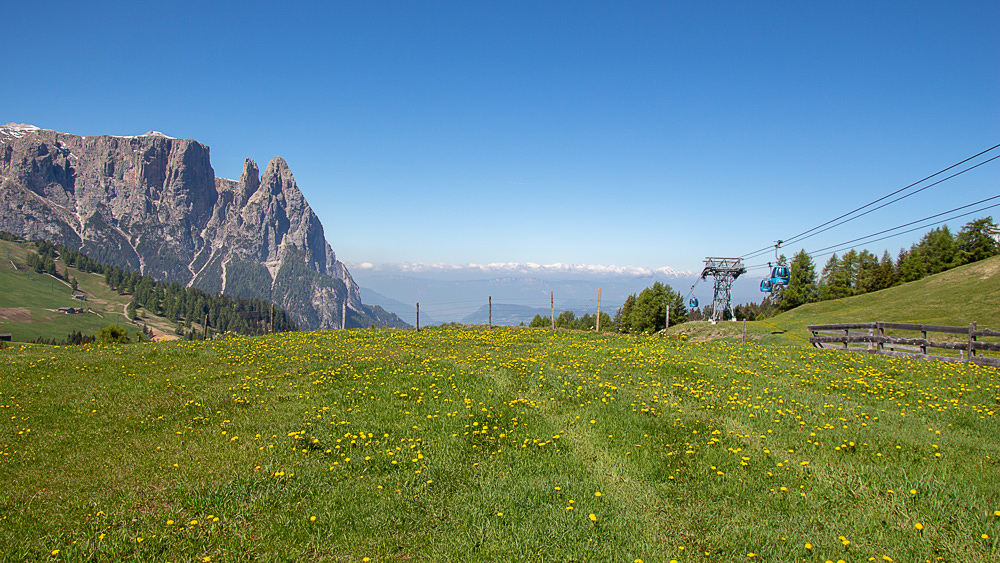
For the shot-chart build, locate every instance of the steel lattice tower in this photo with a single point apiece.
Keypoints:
(724, 271)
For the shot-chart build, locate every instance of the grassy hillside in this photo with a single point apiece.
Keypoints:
(956, 297)
(29, 302)
(493, 445)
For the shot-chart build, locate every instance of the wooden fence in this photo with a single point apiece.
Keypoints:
(878, 342)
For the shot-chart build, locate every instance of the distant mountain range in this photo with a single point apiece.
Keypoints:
(152, 203)
(461, 293)
(506, 315)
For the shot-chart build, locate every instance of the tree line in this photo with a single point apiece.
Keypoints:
(187, 306)
(857, 273)
(568, 319)
(645, 313)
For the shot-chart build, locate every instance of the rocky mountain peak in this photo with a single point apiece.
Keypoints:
(153, 203)
(249, 181)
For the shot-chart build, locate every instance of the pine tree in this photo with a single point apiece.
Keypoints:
(909, 265)
(937, 249)
(834, 284)
(976, 241)
(867, 273)
(886, 272)
(801, 284)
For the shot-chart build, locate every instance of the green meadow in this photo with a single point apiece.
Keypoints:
(493, 445)
(30, 302)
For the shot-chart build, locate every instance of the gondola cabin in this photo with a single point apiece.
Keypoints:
(779, 275)
(693, 303)
(766, 286)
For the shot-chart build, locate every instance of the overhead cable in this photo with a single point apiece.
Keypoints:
(801, 236)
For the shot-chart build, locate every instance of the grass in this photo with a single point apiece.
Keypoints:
(481, 445)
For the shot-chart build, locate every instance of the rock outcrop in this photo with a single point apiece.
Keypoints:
(152, 203)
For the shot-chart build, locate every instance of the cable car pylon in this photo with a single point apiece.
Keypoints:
(724, 271)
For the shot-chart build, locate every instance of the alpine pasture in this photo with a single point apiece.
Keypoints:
(469, 444)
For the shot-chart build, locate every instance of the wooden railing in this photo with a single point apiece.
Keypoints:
(878, 342)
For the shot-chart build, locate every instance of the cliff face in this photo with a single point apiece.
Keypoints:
(152, 203)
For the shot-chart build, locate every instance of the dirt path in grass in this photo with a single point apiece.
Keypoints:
(15, 314)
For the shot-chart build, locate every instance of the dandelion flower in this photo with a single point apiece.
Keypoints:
(312, 518)
(593, 518)
(918, 526)
(55, 552)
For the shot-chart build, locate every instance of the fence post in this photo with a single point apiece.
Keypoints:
(847, 336)
(666, 328)
(744, 341)
(871, 333)
(972, 339)
(552, 302)
(923, 345)
(881, 336)
(598, 309)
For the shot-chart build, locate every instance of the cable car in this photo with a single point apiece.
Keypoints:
(693, 303)
(766, 286)
(779, 276)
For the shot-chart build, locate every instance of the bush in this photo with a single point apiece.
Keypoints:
(112, 335)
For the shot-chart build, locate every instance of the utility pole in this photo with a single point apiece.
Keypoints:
(552, 300)
(598, 309)
(418, 316)
(489, 322)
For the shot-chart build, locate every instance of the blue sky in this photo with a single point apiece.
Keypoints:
(645, 134)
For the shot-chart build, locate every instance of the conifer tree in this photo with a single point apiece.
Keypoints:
(976, 241)
(802, 287)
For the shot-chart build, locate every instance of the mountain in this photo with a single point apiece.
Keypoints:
(505, 314)
(404, 311)
(152, 203)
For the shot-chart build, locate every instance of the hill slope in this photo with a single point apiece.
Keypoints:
(30, 302)
(956, 297)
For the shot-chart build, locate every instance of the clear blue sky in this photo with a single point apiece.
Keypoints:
(646, 134)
